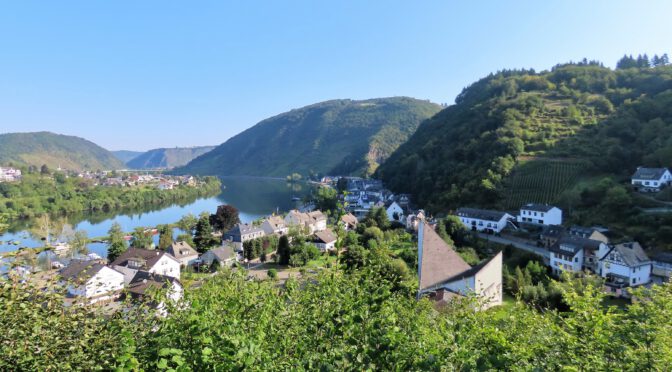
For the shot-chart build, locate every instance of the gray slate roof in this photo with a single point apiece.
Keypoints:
(537, 207)
(481, 214)
(244, 229)
(144, 280)
(649, 173)
(631, 253)
(150, 257)
(222, 253)
(81, 270)
(576, 243)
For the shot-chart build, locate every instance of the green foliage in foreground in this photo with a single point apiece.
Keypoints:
(339, 321)
(36, 195)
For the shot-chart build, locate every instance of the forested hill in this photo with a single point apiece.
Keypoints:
(519, 136)
(54, 150)
(167, 157)
(125, 155)
(339, 136)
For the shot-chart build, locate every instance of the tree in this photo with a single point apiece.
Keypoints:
(283, 250)
(272, 273)
(165, 236)
(626, 62)
(326, 199)
(3, 224)
(372, 234)
(354, 257)
(44, 170)
(141, 238)
(203, 238)
(187, 223)
(225, 218)
(116, 243)
(79, 242)
(342, 184)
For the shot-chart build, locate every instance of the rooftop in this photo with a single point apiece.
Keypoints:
(481, 214)
(649, 173)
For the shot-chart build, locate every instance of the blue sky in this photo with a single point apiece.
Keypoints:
(144, 74)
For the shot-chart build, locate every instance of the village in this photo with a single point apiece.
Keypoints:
(443, 275)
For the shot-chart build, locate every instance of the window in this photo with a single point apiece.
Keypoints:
(634, 280)
(535, 214)
(542, 215)
(576, 259)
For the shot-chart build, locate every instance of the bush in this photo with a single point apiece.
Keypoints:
(272, 273)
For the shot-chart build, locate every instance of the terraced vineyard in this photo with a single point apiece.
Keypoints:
(541, 181)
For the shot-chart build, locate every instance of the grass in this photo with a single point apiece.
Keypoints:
(503, 310)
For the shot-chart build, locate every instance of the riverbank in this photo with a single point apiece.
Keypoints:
(36, 195)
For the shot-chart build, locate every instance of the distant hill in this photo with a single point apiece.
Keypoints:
(167, 158)
(55, 150)
(125, 155)
(338, 136)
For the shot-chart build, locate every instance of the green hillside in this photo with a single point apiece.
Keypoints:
(125, 155)
(55, 150)
(572, 135)
(339, 136)
(167, 158)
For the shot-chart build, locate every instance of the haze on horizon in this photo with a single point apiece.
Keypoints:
(141, 75)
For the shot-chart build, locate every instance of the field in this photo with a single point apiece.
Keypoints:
(540, 181)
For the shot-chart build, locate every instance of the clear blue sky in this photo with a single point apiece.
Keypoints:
(144, 74)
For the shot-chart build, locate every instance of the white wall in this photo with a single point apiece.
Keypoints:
(482, 225)
(166, 266)
(552, 217)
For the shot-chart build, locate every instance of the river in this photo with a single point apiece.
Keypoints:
(254, 198)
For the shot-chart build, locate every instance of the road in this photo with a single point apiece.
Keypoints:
(524, 246)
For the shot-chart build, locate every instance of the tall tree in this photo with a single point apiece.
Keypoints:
(283, 250)
(141, 238)
(165, 236)
(203, 238)
(116, 242)
(44, 169)
(225, 218)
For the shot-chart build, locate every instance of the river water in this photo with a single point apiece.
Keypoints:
(254, 198)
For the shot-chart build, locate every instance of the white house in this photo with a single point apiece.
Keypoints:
(91, 280)
(394, 212)
(483, 219)
(274, 225)
(325, 240)
(651, 179)
(540, 214)
(444, 275)
(624, 265)
(153, 261)
(574, 254)
(182, 252)
(9, 174)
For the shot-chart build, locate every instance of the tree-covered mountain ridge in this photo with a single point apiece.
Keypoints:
(55, 150)
(167, 157)
(338, 136)
(599, 120)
